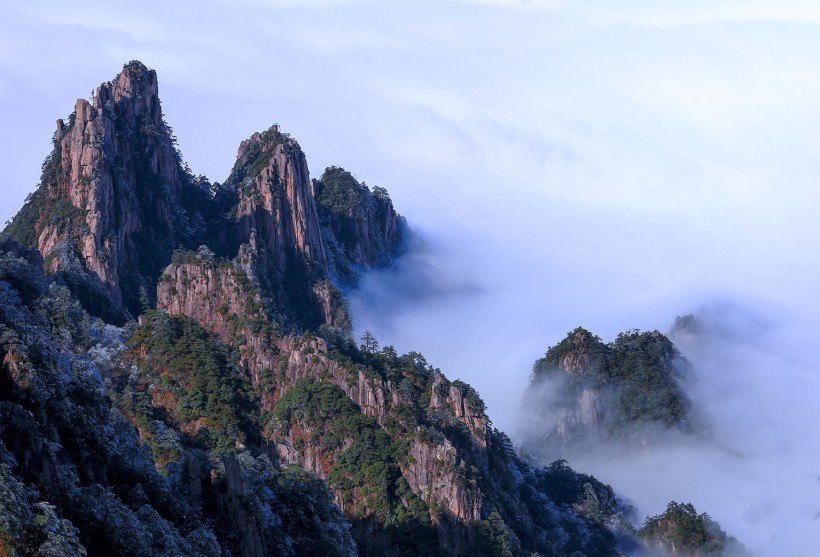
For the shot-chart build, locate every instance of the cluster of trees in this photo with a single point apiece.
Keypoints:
(635, 381)
(680, 530)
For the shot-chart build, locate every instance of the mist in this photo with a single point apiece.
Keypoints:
(754, 464)
(752, 461)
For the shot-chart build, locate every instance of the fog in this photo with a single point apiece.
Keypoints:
(753, 462)
(609, 165)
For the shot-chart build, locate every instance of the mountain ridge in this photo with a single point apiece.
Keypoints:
(179, 377)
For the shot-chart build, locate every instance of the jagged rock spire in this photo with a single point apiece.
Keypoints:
(111, 214)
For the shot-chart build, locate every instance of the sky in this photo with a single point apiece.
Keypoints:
(604, 164)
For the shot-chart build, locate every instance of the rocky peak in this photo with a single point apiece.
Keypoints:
(275, 225)
(362, 229)
(259, 141)
(580, 352)
(111, 210)
(138, 84)
(276, 198)
(583, 390)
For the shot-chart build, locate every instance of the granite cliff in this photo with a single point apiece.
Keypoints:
(116, 200)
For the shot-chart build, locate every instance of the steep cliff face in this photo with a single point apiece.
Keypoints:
(464, 403)
(274, 222)
(583, 391)
(112, 207)
(213, 292)
(276, 201)
(361, 228)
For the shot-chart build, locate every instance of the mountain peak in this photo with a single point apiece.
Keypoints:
(109, 209)
(262, 141)
(135, 81)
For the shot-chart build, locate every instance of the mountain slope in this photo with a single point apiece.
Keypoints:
(235, 415)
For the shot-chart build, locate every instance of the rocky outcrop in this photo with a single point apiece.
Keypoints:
(465, 405)
(276, 201)
(585, 391)
(436, 473)
(224, 300)
(361, 228)
(113, 192)
(212, 293)
(580, 353)
(307, 357)
(275, 227)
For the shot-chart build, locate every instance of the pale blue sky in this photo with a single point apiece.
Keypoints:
(609, 164)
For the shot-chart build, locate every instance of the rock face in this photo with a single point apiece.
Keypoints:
(212, 293)
(276, 225)
(361, 228)
(433, 475)
(463, 402)
(113, 203)
(276, 201)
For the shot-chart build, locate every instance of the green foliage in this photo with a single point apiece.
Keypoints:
(195, 378)
(57, 392)
(542, 510)
(365, 475)
(63, 215)
(588, 353)
(644, 367)
(565, 486)
(340, 192)
(496, 539)
(22, 226)
(257, 156)
(681, 530)
(360, 228)
(471, 396)
(369, 342)
(313, 403)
